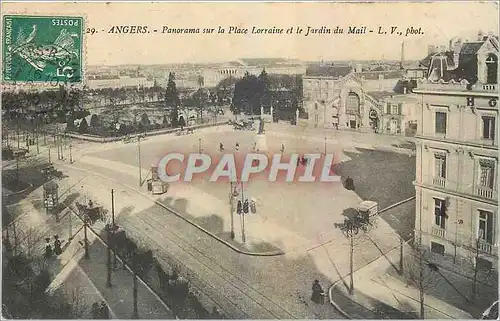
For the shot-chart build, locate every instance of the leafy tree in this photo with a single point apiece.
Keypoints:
(247, 95)
(200, 98)
(145, 120)
(83, 127)
(264, 89)
(94, 121)
(172, 100)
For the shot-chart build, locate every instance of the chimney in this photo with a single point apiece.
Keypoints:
(401, 63)
(479, 35)
(450, 45)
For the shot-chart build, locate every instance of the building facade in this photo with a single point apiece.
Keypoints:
(212, 76)
(457, 157)
(344, 100)
(399, 115)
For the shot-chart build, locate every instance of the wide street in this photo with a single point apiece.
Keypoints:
(297, 220)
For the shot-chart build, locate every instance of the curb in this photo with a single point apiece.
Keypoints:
(98, 237)
(20, 192)
(334, 304)
(234, 248)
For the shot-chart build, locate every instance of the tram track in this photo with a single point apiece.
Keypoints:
(275, 311)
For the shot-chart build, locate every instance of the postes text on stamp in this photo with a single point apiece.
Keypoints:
(42, 49)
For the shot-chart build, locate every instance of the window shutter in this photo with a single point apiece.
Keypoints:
(443, 174)
(489, 228)
(388, 108)
(400, 108)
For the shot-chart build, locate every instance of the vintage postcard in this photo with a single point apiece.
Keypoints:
(232, 160)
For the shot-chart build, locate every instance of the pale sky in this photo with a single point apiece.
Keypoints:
(439, 21)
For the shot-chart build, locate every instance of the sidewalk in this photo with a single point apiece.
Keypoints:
(380, 293)
(84, 282)
(89, 278)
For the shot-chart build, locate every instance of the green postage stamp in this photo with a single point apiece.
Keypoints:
(42, 49)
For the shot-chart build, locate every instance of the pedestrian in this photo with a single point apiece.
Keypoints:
(317, 292)
(48, 248)
(237, 146)
(221, 147)
(57, 245)
(349, 183)
(104, 310)
(282, 148)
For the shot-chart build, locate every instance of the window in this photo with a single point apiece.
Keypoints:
(488, 127)
(440, 165)
(394, 109)
(492, 69)
(437, 248)
(440, 212)
(486, 226)
(486, 173)
(440, 122)
(316, 106)
(388, 108)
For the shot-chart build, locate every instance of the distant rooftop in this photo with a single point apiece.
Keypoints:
(328, 71)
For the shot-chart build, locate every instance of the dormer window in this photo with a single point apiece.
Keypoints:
(492, 69)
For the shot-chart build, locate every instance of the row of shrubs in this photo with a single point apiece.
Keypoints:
(170, 286)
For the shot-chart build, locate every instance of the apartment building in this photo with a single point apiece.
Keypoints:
(457, 155)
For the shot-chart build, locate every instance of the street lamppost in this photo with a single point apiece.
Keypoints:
(70, 156)
(232, 195)
(325, 145)
(199, 145)
(350, 228)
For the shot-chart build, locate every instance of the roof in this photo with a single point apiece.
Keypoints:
(471, 48)
(379, 95)
(328, 71)
(373, 75)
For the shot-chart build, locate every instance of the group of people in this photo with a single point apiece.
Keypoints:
(56, 250)
(254, 149)
(100, 310)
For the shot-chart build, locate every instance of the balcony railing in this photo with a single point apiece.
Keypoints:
(437, 231)
(485, 192)
(439, 181)
(485, 247)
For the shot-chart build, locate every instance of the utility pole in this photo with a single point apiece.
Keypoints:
(401, 254)
(243, 215)
(61, 144)
(351, 264)
(57, 145)
(70, 228)
(37, 145)
(231, 206)
(85, 221)
(134, 273)
(17, 168)
(108, 232)
(113, 225)
(139, 152)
